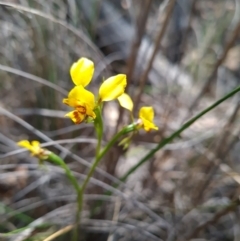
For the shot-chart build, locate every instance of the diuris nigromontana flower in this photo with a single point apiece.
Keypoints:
(34, 148)
(83, 101)
(146, 116)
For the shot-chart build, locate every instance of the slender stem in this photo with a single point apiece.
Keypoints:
(81, 193)
(98, 124)
(78, 216)
(124, 131)
(176, 133)
(58, 161)
(98, 146)
(98, 158)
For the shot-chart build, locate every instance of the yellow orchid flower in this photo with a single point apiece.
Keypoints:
(34, 148)
(146, 116)
(83, 101)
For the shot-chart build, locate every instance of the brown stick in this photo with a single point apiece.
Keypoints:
(142, 20)
(214, 219)
(209, 81)
(143, 79)
(220, 153)
(59, 233)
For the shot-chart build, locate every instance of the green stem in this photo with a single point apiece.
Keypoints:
(124, 131)
(98, 145)
(98, 124)
(58, 161)
(98, 158)
(81, 193)
(176, 133)
(78, 216)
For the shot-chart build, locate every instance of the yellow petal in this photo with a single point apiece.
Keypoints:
(113, 87)
(25, 143)
(66, 101)
(89, 111)
(79, 96)
(82, 72)
(76, 116)
(33, 147)
(35, 143)
(126, 101)
(146, 114)
(147, 125)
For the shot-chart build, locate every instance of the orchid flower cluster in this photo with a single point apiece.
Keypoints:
(85, 103)
(88, 107)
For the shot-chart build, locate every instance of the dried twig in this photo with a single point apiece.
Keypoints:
(59, 233)
(210, 79)
(160, 35)
(220, 152)
(214, 219)
(140, 30)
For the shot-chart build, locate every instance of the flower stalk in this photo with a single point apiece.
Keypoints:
(124, 131)
(59, 162)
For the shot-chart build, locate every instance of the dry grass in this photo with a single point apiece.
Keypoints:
(179, 61)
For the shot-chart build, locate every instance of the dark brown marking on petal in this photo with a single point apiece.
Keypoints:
(77, 117)
(81, 109)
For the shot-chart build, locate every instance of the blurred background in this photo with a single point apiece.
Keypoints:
(179, 56)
